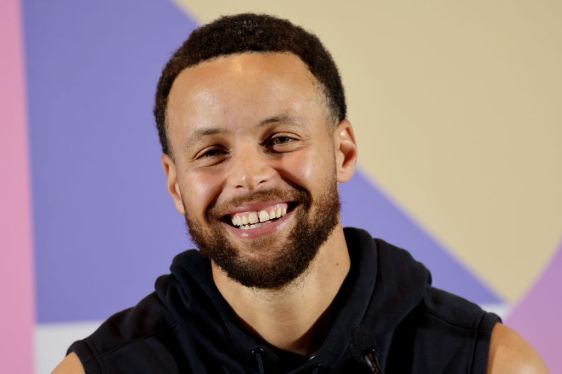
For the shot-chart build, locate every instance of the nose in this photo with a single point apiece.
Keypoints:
(250, 169)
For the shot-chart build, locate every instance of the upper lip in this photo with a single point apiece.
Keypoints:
(255, 206)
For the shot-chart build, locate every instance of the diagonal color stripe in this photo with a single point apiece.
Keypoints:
(364, 205)
(538, 316)
(16, 285)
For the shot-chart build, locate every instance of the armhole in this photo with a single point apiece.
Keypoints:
(482, 343)
(86, 355)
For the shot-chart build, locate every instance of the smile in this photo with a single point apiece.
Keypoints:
(254, 219)
(259, 219)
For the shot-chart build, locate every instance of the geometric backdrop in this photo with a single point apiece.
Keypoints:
(81, 154)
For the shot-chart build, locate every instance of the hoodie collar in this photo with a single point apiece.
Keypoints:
(378, 292)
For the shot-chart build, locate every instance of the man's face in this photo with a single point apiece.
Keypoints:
(255, 166)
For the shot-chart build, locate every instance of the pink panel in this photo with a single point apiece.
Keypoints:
(539, 316)
(16, 266)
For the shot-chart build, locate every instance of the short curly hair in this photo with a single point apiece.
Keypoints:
(250, 32)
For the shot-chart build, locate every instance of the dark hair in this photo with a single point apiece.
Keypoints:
(250, 33)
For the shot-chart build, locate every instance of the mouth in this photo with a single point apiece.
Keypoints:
(257, 216)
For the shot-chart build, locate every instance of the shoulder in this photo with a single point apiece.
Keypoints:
(141, 330)
(510, 353)
(70, 365)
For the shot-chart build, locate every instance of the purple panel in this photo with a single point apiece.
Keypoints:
(539, 316)
(364, 205)
(104, 227)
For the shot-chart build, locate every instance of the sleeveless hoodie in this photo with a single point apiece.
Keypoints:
(388, 319)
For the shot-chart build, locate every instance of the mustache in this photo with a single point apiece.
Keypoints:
(292, 195)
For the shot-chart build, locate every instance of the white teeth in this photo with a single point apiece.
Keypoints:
(253, 217)
(264, 216)
(250, 220)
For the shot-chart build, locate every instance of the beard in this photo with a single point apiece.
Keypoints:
(274, 264)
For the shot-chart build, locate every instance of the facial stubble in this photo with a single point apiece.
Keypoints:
(311, 228)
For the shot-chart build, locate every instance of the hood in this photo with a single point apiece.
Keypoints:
(384, 285)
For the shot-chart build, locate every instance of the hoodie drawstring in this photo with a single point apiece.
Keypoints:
(372, 361)
(362, 348)
(258, 353)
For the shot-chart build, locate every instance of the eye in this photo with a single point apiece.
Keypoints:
(211, 152)
(281, 142)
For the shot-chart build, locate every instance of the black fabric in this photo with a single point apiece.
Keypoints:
(387, 318)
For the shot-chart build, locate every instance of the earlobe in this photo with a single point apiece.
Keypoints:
(172, 182)
(346, 151)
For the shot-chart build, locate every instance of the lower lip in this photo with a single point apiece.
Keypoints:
(264, 229)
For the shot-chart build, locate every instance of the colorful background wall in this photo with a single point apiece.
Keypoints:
(456, 107)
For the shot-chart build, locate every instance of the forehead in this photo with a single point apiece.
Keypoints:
(243, 87)
(274, 66)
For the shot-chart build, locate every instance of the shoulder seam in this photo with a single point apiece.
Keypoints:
(473, 326)
(102, 356)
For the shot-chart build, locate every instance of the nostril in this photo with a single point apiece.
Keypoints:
(251, 180)
(248, 171)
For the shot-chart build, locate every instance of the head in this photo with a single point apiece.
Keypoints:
(254, 144)
(250, 33)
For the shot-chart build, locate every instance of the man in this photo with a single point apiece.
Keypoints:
(251, 116)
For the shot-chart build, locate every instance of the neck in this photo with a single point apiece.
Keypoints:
(295, 317)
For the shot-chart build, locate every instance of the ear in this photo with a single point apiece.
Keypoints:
(346, 151)
(172, 182)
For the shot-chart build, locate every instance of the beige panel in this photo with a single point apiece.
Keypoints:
(457, 108)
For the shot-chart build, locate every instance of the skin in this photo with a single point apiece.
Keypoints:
(230, 100)
(266, 86)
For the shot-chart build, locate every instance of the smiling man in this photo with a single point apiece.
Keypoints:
(252, 120)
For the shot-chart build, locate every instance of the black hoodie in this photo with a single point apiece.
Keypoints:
(388, 319)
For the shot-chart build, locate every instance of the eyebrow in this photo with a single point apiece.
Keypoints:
(280, 118)
(201, 133)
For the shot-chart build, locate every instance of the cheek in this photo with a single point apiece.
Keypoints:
(308, 169)
(199, 191)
